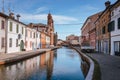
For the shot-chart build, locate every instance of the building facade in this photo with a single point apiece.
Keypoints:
(32, 41)
(47, 41)
(89, 31)
(114, 28)
(43, 40)
(72, 39)
(15, 35)
(3, 27)
(85, 33)
(103, 35)
(50, 24)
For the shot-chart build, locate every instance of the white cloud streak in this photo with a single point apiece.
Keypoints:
(58, 19)
(41, 9)
(89, 7)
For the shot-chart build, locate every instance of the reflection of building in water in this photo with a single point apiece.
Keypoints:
(55, 54)
(84, 67)
(47, 56)
(38, 67)
(42, 60)
(19, 70)
(46, 64)
(32, 65)
(13, 72)
(50, 65)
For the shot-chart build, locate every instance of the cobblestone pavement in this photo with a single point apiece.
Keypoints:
(109, 65)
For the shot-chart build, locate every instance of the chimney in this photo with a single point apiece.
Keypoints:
(107, 4)
(18, 17)
(31, 25)
(11, 15)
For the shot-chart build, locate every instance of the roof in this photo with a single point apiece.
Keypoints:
(39, 24)
(89, 18)
(6, 16)
(111, 6)
(115, 3)
(3, 15)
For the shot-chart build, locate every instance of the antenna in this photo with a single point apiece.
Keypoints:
(9, 10)
(3, 6)
(10, 7)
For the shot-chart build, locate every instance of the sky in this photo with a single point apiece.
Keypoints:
(68, 15)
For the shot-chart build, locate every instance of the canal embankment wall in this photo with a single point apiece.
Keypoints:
(19, 56)
(89, 61)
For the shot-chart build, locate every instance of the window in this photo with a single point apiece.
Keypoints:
(10, 42)
(118, 23)
(111, 26)
(34, 35)
(2, 42)
(17, 28)
(11, 24)
(16, 42)
(112, 13)
(22, 30)
(103, 30)
(2, 24)
(117, 47)
(26, 32)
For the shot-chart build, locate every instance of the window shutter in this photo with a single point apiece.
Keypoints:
(118, 23)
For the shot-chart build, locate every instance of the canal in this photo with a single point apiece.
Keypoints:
(60, 64)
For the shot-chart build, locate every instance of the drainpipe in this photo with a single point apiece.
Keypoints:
(6, 34)
(36, 36)
(25, 36)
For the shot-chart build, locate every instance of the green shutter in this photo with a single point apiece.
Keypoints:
(22, 30)
(118, 23)
(103, 30)
(17, 28)
(11, 26)
(113, 25)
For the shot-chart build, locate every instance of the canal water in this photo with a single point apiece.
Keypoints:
(61, 64)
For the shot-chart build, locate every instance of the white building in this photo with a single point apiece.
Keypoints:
(2, 33)
(115, 29)
(15, 35)
(38, 40)
(32, 41)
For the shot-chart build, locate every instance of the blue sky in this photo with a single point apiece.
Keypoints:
(72, 12)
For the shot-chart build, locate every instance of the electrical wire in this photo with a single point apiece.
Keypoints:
(70, 24)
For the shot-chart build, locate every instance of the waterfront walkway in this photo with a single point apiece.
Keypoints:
(18, 56)
(109, 65)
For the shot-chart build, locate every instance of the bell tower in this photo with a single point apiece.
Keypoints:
(50, 24)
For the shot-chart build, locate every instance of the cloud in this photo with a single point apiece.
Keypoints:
(27, 18)
(89, 7)
(41, 9)
(42, 18)
(59, 19)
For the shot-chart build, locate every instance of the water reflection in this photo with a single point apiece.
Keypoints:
(62, 64)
